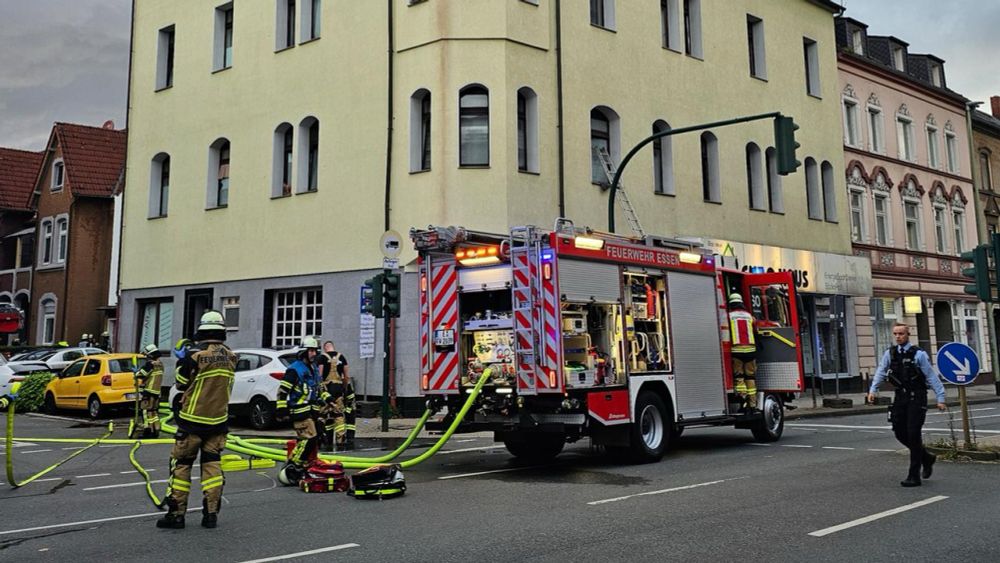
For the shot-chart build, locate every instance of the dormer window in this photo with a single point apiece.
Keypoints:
(899, 59)
(936, 75)
(58, 176)
(858, 42)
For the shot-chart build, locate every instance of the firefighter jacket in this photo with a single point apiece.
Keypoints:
(206, 379)
(149, 378)
(741, 331)
(301, 392)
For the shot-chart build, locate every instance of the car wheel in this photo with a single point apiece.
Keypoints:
(94, 406)
(650, 434)
(50, 403)
(261, 413)
(771, 425)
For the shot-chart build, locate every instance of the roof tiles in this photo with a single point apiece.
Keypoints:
(94, 158)
(18, 172)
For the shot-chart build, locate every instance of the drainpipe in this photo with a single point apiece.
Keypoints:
(559, 103)
(68, 261)
(389, 115)
(121, 236)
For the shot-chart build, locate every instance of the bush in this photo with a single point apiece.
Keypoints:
(31, 395)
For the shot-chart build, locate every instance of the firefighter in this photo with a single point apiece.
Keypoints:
(6, 401)
(301, 396)
(147, 386)
(909, 369)
(340, 417)
(744, 350)
(205, 373)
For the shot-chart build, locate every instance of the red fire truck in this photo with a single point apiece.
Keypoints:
(588, 334)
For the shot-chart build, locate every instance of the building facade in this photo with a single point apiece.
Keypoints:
(18, 173)
(909, 192)
(271, 147)
(81, 171)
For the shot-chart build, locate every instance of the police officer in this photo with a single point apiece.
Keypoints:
(301, 395)
(744, 349)
(147, 385)
(909, 369)
(205, 373)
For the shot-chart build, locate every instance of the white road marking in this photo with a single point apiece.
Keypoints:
(94, 475)
(804, 425)
(85, 522)
(873, 517)
(836, 448)
(464, 441)
(794, 446)
(757, 444)
(137, 484)
(878, 450)
(71, 448)
(662, 491)
(35, 451)
(303, 553)
(133, 471)
(443, 452)
(509, 469)
(872, 431)
(970, 410)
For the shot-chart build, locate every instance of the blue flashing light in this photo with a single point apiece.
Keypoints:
(757, 270)
(547, 255)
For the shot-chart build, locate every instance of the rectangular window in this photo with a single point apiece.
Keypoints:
(164, 199)
(48, 322)
(755, 46)
(46, 241)
(231, 312)
(899, 58)
(522, 133)
(851, 136)
(156, 322)
(911, 212)
(297, 313)
(933, 151)
(811, 53)
(58, 176)
(597, 15)
(904, 131)
(857, 216)
(285, 24)
(858, 42)
(958, 222)
(951, 147)
(692, 28)
(876, 131)
(223, 55)
(26, 248)
(62, 231)
(882, 220)
(884, 316)
(940, 230)
(165, 58)
(936, 75)
(985, 172)
(312, 14)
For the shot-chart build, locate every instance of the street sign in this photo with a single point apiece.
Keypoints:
(958, 363)
(391, 244)
(366, 337)
(390, 263)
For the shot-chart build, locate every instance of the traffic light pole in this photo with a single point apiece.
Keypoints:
(621, 167)
(386, 325)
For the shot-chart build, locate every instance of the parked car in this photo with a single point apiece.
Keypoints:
(94, 384)
(34, 354)
(12, 372)
(61, 358)
(255, 388)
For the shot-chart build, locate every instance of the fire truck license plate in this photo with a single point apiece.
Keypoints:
(444, 337)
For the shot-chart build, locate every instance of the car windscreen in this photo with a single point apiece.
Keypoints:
(122, 365)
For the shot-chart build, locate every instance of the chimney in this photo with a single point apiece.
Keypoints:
(995, 105)
(111, 124)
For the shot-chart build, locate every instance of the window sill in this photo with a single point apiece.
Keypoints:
(56, 190)
(760, 78)
(308, 192)
(282, 196)
(696, 57)
(782, 213)
(672, 50)
(310, 40)
(217, 207)
(758, 210)
(283, 49)
(473, 166)
(608, 29)
(664, 194)
(831, 222)
(529, 172)
(51, 267)
(424, 171)
(161, 89)
(816, 219)
(712, 202)
(223, 69)
(815, 96)
(155, 217)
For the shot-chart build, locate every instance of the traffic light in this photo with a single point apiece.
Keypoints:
(980, 272)
(995, 248)
(785, 144)
(373, 306)
(391, 294)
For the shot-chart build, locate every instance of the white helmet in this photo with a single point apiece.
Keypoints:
(289, 475)
(212, 320)
(735, 298)
(309, 342)
(150, 349)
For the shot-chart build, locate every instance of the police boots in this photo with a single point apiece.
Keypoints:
(171, 521)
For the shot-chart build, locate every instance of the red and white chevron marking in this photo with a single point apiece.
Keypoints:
(439, 310)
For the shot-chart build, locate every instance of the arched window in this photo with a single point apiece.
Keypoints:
(663, 161)
(775, 197)
(307, 175)
(755, 178)
(420, 131)
(711, 187)
(814, 199)
(218, 174)
(605, 128)
(282, 161)
(829, 193)
(527, 130)
(474, 126)
(159, 185)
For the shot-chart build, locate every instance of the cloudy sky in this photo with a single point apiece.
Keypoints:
(67, 60)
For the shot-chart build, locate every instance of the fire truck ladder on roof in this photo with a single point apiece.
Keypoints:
(621, 196)
(525, 255)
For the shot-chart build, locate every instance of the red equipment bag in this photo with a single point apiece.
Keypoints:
(324, 477)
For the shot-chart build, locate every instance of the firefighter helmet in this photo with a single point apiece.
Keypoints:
(735, 298)
(150, 349)
(212, 320)
(309, 342)
(289, 475)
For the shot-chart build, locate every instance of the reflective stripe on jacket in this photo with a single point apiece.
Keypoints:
(300, 389)
(741, 332)
(206, 378)
(150, 377)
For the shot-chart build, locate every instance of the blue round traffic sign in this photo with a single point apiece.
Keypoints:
(958, 363)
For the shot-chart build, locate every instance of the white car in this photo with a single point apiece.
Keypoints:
(255, 388)
(13, 372)
(63, 357)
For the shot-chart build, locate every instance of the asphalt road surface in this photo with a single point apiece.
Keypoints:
(828, 491)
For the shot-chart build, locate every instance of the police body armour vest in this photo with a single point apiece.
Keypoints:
(904, 367)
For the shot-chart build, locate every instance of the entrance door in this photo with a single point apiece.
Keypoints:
(831, 321)
(196, 302)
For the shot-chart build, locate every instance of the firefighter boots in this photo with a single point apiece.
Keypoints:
(209, 520)
(171, 521)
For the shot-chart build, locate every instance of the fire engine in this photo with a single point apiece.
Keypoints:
(588, 334)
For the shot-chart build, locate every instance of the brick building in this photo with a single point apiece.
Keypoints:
(18, 172)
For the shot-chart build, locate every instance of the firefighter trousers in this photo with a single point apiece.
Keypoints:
(186, 448)
(339, 420)
(909, 411)
(306, 441)
(150, 407)
(745, 375)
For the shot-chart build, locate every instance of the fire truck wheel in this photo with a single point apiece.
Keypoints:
(772, 421)
(649, 434)
(538, 447)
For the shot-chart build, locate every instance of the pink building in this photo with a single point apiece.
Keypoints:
(910, 190)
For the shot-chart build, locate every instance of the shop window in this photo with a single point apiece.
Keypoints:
(156, 322)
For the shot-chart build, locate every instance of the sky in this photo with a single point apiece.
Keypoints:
(67, 60)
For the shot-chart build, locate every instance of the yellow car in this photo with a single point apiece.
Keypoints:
(93, 383)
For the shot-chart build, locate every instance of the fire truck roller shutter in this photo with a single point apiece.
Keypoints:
(697, 346)
(485, 279)
(581, 281)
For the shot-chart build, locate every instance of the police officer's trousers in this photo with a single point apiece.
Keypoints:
(182, 458)
(909, 410)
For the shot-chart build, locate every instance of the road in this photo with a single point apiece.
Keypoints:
(828, 491)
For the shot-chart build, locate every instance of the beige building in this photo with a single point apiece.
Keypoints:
(281, 133)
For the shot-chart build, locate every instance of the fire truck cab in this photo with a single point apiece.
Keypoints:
(587, 334)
